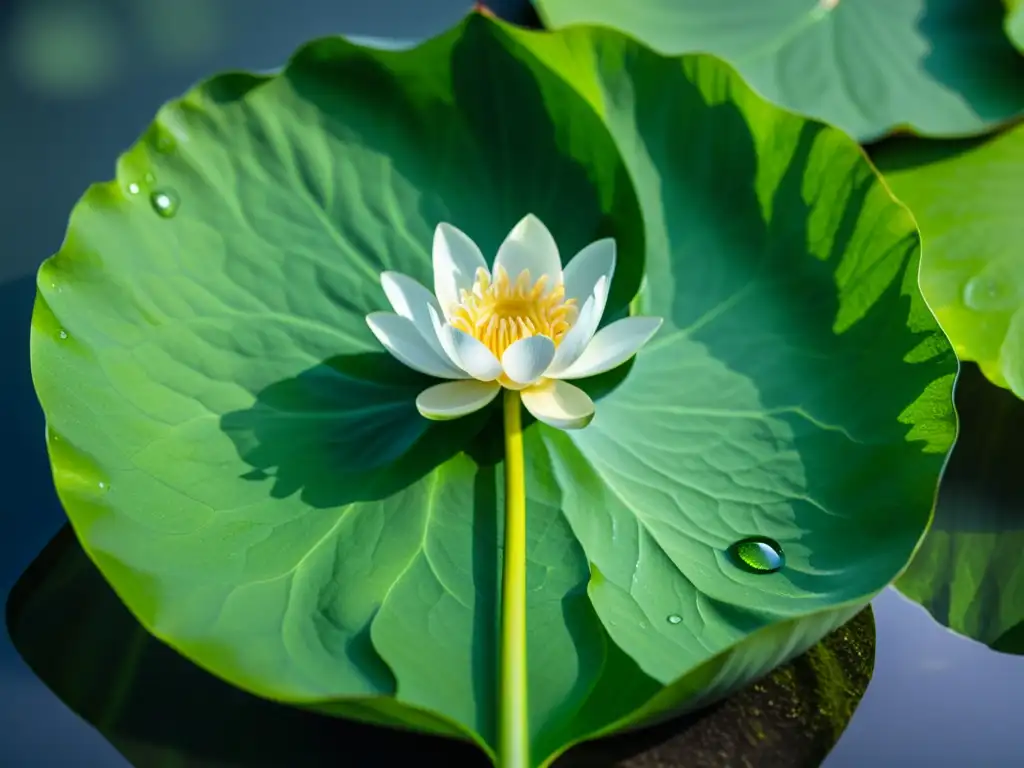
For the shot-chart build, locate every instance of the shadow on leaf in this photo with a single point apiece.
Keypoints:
(345, 431)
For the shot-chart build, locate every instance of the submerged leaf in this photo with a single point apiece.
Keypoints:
(935, 67)
(254, 480)
(969, 571)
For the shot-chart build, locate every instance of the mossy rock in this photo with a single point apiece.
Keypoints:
(159, 709)
(790, 719)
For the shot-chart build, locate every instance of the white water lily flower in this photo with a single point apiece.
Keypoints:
(526, 324)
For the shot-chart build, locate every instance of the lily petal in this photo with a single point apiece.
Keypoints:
(455, 398)
(525, 360)
(438, 325)
(613, 345)
(412, 301)
(468, 353)
(473, 355)
(576, 340)
(586, 268)
(559, 404)
(530, 246)
(401, 338)
(456, 260)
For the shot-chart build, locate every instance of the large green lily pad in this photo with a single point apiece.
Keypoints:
(969, 572)
(934, 67)
(249, 471)
(966, 198)
(159, 710)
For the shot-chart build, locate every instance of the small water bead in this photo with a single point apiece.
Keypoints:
(103, 486)
(63, 334)
(133, 188)
(165, 202)
(757, 554)
(149, 178)
(674, 618)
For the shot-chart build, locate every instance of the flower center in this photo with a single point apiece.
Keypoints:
(500, 312)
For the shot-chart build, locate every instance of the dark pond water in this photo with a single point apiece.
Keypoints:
(80, 79)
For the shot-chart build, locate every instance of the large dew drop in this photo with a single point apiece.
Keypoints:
(991, 293)
(165, 202)
(757, 554)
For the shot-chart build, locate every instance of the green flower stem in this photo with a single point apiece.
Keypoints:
(513, 724)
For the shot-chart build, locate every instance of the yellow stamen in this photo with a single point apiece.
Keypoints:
(501, 312)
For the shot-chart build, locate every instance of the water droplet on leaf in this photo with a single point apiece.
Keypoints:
(103, 486)
(149, 178)
(757, 554)
(165, 202)
(63, 334)
(991, 292)
(133, 188)
(674, 618)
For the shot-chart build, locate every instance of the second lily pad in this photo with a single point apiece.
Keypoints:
(935, 67)
(966, 198)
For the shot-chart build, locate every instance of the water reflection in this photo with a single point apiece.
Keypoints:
(936, 698)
